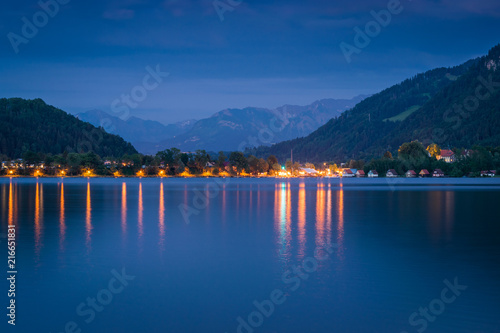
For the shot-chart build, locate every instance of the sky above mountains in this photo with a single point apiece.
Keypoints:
(115, 55)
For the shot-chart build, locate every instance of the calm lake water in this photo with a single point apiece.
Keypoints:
(204, 255)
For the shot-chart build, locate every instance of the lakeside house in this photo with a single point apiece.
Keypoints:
(109, 163)
(410, 174)
(372, 174)
(15, 164)
(347, 173)
(424, 173)
(360, 173)
(308, 172)
(447, 155)
(488, 173)
(391, 173)
(438, 173)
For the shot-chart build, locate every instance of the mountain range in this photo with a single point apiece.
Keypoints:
(143, 134)
(453, 107)
(227, 130)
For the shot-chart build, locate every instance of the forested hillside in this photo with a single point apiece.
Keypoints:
(32, 125)
(437, 106)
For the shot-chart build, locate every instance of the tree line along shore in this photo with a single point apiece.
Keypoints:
(175, 163)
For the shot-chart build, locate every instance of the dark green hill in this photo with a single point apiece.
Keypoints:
(32, 125)
(422, 108)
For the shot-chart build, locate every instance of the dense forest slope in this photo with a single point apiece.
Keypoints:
(32, 125)
(457, 106)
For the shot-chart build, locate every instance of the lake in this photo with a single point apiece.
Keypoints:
(253, 255)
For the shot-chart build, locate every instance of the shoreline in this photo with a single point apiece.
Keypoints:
(246, 177)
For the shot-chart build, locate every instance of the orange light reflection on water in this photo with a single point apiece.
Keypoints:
(88, 220)
(11, 205)
(38, 220)
(320, 215)
(62, 219)
(302, 220)
(140, 211)
(124, 210)
(340, 225)
(161, 217)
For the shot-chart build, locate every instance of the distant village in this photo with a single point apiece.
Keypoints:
(413, 161)
(447, 156)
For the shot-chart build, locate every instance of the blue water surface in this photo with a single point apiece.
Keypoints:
(253, 255)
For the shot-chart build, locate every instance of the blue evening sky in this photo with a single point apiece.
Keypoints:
(262, 53)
